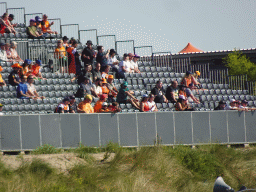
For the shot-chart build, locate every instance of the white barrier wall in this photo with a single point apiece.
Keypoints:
(26, 132)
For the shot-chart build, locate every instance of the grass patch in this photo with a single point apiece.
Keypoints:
(46, 149)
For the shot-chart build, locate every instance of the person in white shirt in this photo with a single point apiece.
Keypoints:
(32, 90)
(232, 105)
(3, 54)
(96, 88)
(112, 61)
(151, 103)
(134, 64)
(124, 66)
(1, 108)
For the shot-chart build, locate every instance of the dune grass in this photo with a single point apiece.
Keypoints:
(179, 169)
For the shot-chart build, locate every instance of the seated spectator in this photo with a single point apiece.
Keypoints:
(2, 82)
(104, 108)
(1, 109)
(32, 30)
(60, 54)
(5, 25)
(38, 25)
(124, 66)
(232, 105)
(11, 18)
(182, 104)
(112, 61)
(122, 96)
(98, 104)
(102, 58)
(32, 89)
(144, 107)
(46, 25)
(112, 89)
(221, 106)
(65, 42)
(63, 107)
(196, 75)
(172, 92)
(85, 106)
(114, 108)
(72, 105)
(88, 54)
(22, 89)
(104, 73)
(8, 52)
(96, 72)
(188, 79)
(84, 73)
(151, 103)
(134, 64)
(14, 78)
(26, 68)
(159, 93)
(15, 57)
(3, 54)
(182, 90)
(96, 88)
(84, 88)
(190, 94)
(36, 69)
(104, 87)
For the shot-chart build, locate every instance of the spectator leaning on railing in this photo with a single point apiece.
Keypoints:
(2, 82)
(104, 108)
(221, 106)
(14, 78)
(85, 106)
(151, 103)
(63, 107)
(98, 104)
(72, 104)
(11, 18)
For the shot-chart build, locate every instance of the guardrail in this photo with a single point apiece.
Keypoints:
(70, 30)
(18, 14)
(124, 47)
(3, 7)
(56, 25)
(22, 49)
(26, 132)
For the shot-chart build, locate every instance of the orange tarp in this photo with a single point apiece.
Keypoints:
(189, 49)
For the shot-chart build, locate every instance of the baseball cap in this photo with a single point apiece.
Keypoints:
(88, 96)
(28, 61)
(104, 104)
(191, 84)
(1, 105)
(182, 97)
(65, 38)
(125, 84)
(16, 65)
(145, 95)
(198, 73)
(136, 56)
(89, 42)
(37, 18)
(111, 77)
(39, 62)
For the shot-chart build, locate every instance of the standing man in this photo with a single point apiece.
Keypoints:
(159, 93)
(88, 54)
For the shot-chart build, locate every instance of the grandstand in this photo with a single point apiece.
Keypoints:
(217, 84)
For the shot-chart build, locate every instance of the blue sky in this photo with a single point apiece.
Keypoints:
(167, 25)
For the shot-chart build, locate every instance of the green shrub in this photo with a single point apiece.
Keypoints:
(46, 149)
(39, 167)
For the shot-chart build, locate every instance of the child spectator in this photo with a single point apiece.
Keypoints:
(159, 93)
(114, 108)
(3, 54)
(88, 54)
(26, 68)
(1, 109)
(2, 82)
(36, 69)
(96, 72)
(14, 55)
(96, 88)
(124, 66)
(98, 104)
(122, 96)
(101, 57)
(63, 107)
(221, 106)
(22, 89)
(85, 106)
(84, 88)
(32, 89)
(104, 108)
(182, 104)
(151, 103)
(72, 105)
(14, 78)
(144, 107)
(5, 25)
(134, 64)
(46, 25)
(172, 92)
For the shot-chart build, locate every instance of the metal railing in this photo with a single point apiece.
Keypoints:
(3, 7)
(39, 52)
(22, 49)
(107, 41)
(219, 76)
(56, 25)
(162, 59)
(237, 82)
(29, 16)
(143, 50)
(251, 87)
(85, 35)
(18, 14)
(145, 59)
(124, 47)
(70, 30)
(60, 61)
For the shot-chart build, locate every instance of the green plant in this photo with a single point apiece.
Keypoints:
(46, 149)
(39, 167)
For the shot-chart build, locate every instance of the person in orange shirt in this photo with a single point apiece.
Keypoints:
(104, 87)
(98, 104)
(36, 69)
(26, 68)
(85, 106)
(60, 54)
(46, 25)
(2, 82)
(104, 108)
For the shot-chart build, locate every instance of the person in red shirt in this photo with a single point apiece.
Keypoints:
(98, 104)
(36, 69)
(114, 108)
(144, 103)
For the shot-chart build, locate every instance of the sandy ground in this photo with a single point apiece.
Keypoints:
(62, 162)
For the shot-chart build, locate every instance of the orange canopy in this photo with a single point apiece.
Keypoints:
(189, 49)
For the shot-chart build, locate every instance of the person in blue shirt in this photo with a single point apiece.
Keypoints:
(22, 89)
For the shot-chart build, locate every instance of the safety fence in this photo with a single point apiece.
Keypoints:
(38, 52)
(85, 35)
(162, 59)
(251, 87)
(3, 7)
(18, 14)
(124, 47)
(60, 61)
(107, 41)
(70, 30)
(29, 16)
(22, 49)
(26, 132)
(56, 25)
(143, 50)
